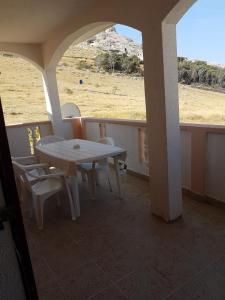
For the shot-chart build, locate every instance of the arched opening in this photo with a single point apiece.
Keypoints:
(201, 64)
(201, 73)
(21, 90)
(104, 75)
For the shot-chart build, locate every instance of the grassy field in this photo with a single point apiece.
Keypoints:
(101, 95)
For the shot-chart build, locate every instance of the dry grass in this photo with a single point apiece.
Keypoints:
(200, 106)
(101, 95)
(21, 91)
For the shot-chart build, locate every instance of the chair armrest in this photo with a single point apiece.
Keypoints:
(25, 159)
(35, 166)
(40, 177)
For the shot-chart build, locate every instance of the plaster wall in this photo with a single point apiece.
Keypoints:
(156, 20)
(126, 136)
(18, 137)
(215, 166)
(202, 159)
(11, 286)
(30, 52)
(186, 159)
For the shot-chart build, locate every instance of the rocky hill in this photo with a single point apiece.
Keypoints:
(111, 40)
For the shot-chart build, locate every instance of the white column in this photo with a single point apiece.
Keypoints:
(52, 100)
(161, 92)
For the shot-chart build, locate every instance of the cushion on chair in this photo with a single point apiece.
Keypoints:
(49, 185)
(35, 172)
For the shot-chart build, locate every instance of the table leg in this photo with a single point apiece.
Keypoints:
(91, 184)
(93, 181)
(116, 164)
(75, 193)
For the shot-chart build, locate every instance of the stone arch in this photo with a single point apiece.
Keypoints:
(77, 36)
(157, 22)
(104, 15)
(30, 53)
(177, 12)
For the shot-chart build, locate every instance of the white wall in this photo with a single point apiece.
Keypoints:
(186, 159)
(92, 131)
(18, 137)
(11, 286)
(126, 137)
(215, 170)
(18, 141)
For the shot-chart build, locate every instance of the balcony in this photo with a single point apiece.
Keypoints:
(202, 149)
(118, 249)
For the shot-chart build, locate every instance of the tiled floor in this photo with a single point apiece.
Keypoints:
(118, 250)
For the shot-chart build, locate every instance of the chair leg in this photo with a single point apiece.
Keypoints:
(72, 208)
(58, 200)
(19, 190)
(75, 194)
(83, 176)
(108, 177)
(38, 208)
(22, 194)
(97, 181)
(30, 204)
(91, 184)
(41, 206)
(116, 165)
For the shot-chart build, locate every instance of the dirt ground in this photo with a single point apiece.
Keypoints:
(100, 95)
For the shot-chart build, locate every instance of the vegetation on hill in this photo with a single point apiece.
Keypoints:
(199, 72)
(102, 94)
(112, 61)
(189, 72)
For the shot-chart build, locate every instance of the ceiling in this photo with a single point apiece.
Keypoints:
(32, 21)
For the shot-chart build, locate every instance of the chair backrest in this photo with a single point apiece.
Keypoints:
(70, 110)
(48, 139)
(25, 160)
(20, 173)
(106, 140)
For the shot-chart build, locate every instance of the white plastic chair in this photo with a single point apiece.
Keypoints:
(48, 139)
(92, 170)
(70, 110)
(43, 187)
(27, 161)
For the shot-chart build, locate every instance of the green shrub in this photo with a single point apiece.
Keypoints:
(114, 89)
(68, 91)
(200, 72)
(114, 61)
(83, 65)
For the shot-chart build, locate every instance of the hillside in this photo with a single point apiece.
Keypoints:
(101, 95)
(109, 40)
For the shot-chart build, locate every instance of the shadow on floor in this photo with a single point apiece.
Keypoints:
(118, 250)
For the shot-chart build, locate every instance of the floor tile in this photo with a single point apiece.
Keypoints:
(119, 250)
(145, 285)
(84, 282)
(111, 293)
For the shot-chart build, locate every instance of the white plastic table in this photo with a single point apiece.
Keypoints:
(67, 154)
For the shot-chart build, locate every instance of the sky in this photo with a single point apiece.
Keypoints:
(130, 32)
(200, 32)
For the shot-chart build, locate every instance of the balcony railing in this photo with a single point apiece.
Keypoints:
(202, 148)
(202, 152)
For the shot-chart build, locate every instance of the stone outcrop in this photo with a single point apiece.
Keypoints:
(111, 40)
